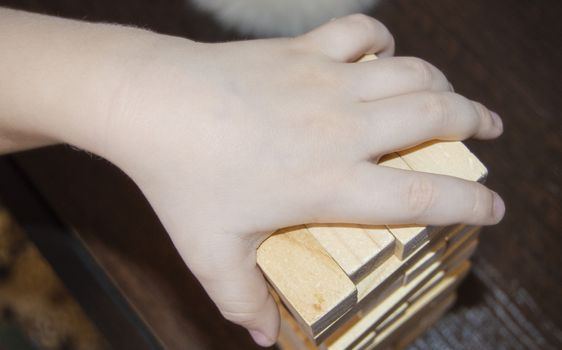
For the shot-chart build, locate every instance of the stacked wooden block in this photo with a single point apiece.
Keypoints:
(363, 287)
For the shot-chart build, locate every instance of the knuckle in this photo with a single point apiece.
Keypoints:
(422, 70)
(366, 25)
(420, 195)
(438, 110)
(362, 20)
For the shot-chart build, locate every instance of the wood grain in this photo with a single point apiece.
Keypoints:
(435, 296)
(357, 249)
(312, 285)
(445, 158)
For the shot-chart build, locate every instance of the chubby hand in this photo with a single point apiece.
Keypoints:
(232, 141)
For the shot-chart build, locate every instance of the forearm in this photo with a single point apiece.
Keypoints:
(60, 79)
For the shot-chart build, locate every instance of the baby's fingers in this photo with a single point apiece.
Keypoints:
(379, 195)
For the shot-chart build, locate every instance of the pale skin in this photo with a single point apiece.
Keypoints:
(232, 141)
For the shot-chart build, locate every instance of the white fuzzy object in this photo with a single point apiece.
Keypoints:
(269, 18)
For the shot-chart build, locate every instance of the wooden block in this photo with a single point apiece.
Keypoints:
(459, 237)
(357, 249)
(382, 282)
(445, 158)
(375, 309)
(379, 312)
(427, 301)
(392, 317)
(364, 343)
(466, 251)
(431, 283)
(367, 58)
(375, 283)
(417, 326)
(461, 240)
(291, 336)
(433, 255)
(310, 283)
(408, 238)
(412, 330)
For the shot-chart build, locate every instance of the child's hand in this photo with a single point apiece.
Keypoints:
(232, 141)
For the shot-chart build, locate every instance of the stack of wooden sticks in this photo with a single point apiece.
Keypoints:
(364, 287)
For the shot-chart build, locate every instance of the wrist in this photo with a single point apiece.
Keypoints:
(66, 83)
(94, 90)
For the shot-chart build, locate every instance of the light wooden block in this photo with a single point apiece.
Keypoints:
(465, 237)
(379, 312)
(357, 249)
(374, 309)
(460, 236)
(432, 297)
(419, 323)
(382, 282)
(445, 158)
(392, 317)
(466, 251)
(291, 336)
(393, 268)
(431, 283)
(365, 342)
(433, 255)
(426, 314)
(398, 301)
(312, 285)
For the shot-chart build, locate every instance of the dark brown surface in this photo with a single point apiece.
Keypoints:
(504, 53)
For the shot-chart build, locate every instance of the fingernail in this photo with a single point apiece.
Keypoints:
(261, 339)
(497, 121)
(498, 207)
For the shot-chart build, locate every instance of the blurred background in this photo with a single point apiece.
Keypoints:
(85, 264)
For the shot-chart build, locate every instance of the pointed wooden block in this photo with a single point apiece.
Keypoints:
(357, 249)
(310, 283)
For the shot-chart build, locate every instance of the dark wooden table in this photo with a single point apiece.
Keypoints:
(506, 54)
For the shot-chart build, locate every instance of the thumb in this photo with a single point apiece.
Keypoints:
(237, 286)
